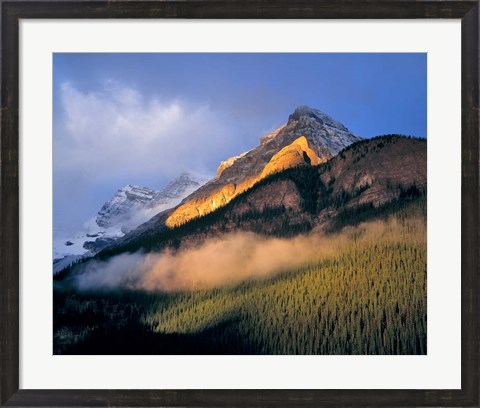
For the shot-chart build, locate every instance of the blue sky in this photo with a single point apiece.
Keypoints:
(143, 118)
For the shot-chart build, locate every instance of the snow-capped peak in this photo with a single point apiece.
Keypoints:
(129, 207)
(182, 183)
(124, 201)
(133, 205)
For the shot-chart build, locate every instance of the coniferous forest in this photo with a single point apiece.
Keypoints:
(366, 297)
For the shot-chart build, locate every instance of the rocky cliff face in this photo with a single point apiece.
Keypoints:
(297, 153)
(308, 132)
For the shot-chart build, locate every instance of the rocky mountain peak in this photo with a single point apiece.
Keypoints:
(132, 204)
(326, 135)
(185, 182)
(323, 137)
(302, 110)
(122, 202)
(305, 113)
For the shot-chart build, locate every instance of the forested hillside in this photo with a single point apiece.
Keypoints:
(369, 298)
(312, 259)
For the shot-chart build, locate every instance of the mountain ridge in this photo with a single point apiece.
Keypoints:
(305, 198)
(298, 175)
(124, 206)
(323, 135)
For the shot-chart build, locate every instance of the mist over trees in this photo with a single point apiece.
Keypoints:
(368, 298)
(226, 283)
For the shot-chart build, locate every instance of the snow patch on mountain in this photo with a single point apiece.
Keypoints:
(133, 205)
(130, 206)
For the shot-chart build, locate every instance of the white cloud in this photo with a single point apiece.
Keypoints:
(116, 131)
(114, 136)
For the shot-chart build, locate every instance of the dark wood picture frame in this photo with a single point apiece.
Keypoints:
(13, 11)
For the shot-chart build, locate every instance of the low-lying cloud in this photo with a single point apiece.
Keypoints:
(237, 257)
(228, 260)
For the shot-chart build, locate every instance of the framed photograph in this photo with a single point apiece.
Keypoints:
(232, 203)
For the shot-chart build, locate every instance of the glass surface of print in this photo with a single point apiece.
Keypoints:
(219, 204)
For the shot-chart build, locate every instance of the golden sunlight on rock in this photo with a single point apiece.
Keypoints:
(295, 154)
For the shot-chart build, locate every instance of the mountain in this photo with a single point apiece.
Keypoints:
(125, 201)
(314, 242)
(132, 205)
(369, 178)
(129, 207)
(297, 153)
(323, 137)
